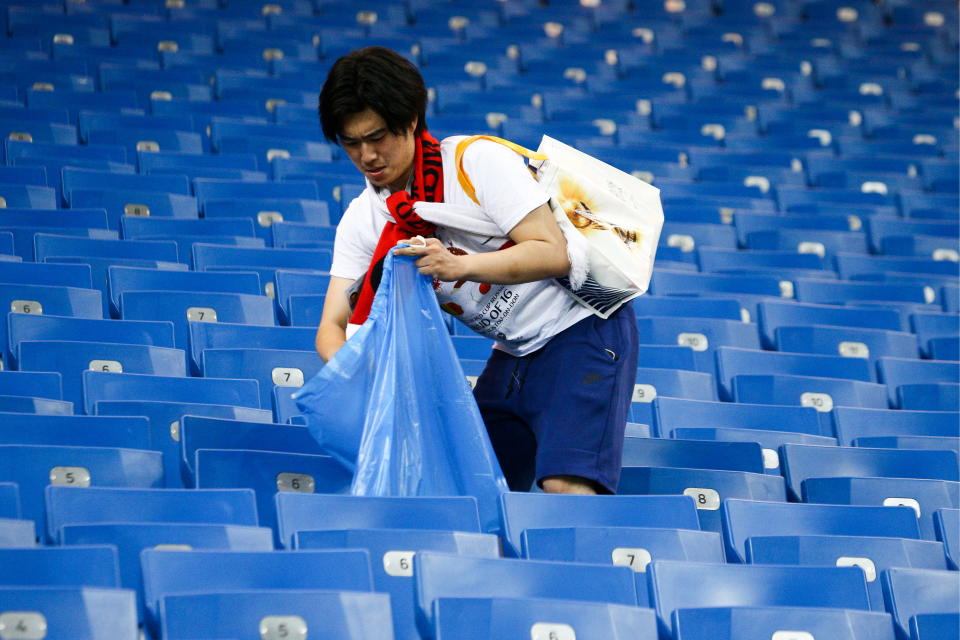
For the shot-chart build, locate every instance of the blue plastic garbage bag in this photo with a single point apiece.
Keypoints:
(394, 405)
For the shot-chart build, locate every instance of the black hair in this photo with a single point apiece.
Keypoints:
(374, 78)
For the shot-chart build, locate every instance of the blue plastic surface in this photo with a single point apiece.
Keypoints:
(404, 350)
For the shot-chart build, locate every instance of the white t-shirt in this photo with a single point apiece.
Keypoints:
(520, 317)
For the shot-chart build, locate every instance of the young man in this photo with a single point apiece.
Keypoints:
(555, 392)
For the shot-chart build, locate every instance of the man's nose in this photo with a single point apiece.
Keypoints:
(368, 153)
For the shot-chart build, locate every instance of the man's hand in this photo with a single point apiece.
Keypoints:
(435, 260)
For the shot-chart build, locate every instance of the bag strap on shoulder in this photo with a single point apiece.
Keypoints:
(462, 176)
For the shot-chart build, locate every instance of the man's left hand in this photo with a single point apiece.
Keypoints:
(435, 260)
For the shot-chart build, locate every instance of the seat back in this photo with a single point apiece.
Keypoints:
(94, 613)
(908, 592)
(99, 386)
(92, 566)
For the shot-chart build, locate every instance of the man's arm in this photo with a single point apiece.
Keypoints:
(540, 252)
(332, 332)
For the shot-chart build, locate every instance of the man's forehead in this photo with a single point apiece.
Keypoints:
(362, 124)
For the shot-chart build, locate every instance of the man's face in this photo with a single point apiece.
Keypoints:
(384, 158)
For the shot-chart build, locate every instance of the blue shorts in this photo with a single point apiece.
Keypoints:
(562, 410)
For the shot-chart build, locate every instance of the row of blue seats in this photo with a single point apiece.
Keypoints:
(597, 535)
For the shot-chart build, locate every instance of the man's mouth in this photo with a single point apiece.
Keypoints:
(376, 174)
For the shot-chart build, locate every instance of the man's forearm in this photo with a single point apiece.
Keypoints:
(527, 261)
(329, 340)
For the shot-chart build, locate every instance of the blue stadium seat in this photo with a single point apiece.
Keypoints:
(707, 487)
(76, 178)
(123, 204)
(45, 384)
(290, 283)
(747, 222)
(24, 237)
(898, 372)
(52, 300)
(266, 212)
(306, 512)
(17, 533)
(46, 274)
(393, 569)
(745, 519)
(872, 554)
(773, 315)
(820, 393)
(674, 413)
(477, 618)
(521, 511)
(723, 623)
(285, 409)
(302, 235)
(936, 396)
(124, 279)
(270, 367)
(87, 613)
(703, 335)
(134, 227)
(99, 386)
(37, 406)
(167, 573)
(208, 255)
(929, 326)
(46, 245)
(880, 229)
(70, 358)
(912, 592)
(680, 586)
(211, 189)
(127, 432)
(802, 462)
(220, 335)
(166, 419)
(674, 383)
(169, 162)
(944, 348)
(732, 362)
(269, 473)
(93, 566)
(733, 261)
(923, 496)
(849, 342)
(947, 525)
(824, 244)
(337, 615)
(666, 282)
(22, 327)
(634, 547)
(450, 576)
(843, 292)
(107, 506)
(27, 196)
(9, 500)
(770, 441)
(667, 306)
(130, 538)
(948, 443)
(924, 626)
(852, 423)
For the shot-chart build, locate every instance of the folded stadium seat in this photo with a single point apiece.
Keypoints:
(227, 128)
(719, 260)
(803, 462)
(47, 245)
(852, 267)
(132, 227)
(923, 496)
(689, 236)
(472, 347)
(932, 326)
(88, 566)
(24, 232)
(267, 148)
(881, 230)
(6, 247)
(30, 131)
(269, 211)
(948, 443)
(27, 196)
(122, 203)
(172, 162)
(17, 533)
(52, 300)
(944, 348)
(476, 618)
(872, 555)
(206, 256)
(307, 235)
(286, 410)
(940, 176)
(841, 292)
(702, 335)
(800, 199)
(522, 511)
(38, 406)
(821, 243)
(393, 569)
(270, 367)
(934, 397)
(933, 625)
(850, 342)
(33, 467)
(126, 432)
(70, 358)
(297, 283)
(134, 140)
(920, 246)
(167, 573)
(747, 222)
(10, 500)
(946, 523)
(17, 149)
(449, 576)
(910, 593)
(315, 512)
(23, 326)
(685, 591)
(938, 206)
(951, 298)
(652, 383)
(76, 101)
(667, 306)
(130, 538)
(692, 454)
(854, 424)
(46, 384)
(77, 178)
(99, 386)
(124, 281)
(774, 315)
(338, 615)
(232, 84)
(723, 623)
(897, 372)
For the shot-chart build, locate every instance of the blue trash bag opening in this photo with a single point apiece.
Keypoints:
(394, 406)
